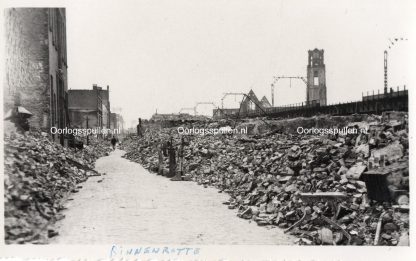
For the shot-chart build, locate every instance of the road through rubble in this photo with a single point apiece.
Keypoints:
(131, 205)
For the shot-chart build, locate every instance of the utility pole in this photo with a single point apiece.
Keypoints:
(228, 94)
(391, 44)
(188, 109)
(203, 103)
(385, 71)
(277, 78)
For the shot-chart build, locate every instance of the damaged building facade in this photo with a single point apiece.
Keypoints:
(315, 91)
(36, 76)
(117, 121)
(249, 105)
(316, 98)
(316, 79)
(90, 108)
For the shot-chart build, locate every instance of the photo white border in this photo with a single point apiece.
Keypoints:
(217, 252)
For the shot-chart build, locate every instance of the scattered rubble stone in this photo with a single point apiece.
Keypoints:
(265, 172)
(39, 175)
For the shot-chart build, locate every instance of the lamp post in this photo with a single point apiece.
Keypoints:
(87, 120)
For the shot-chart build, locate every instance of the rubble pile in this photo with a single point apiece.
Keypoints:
(273, 177)
(39, 175)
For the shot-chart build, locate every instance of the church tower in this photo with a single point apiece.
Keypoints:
(316, 89)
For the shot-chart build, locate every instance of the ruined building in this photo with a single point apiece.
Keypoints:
(117, 121)
(36, 75)
(265, 102)
(316, 82)
(85, 108)
(250, 102)
(315, 92)
(249, 105)
(105, 102)
(90, 107)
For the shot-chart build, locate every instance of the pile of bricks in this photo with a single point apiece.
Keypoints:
(301, 183)
(39, 176)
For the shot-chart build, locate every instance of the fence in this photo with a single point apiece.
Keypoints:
(375, 103)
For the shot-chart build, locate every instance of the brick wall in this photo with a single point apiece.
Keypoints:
(58, 76)
(35, 55)
(316, 68)
(83, 99)
(79, 119)
(27, 63)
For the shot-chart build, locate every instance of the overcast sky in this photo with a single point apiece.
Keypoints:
(167, 55)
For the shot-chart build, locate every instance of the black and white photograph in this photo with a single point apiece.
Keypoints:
(207, 130)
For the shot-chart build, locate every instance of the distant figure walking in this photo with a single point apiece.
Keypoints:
(114, 142)
(139, 128)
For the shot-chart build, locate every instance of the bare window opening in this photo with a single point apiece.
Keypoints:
(315, 81)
